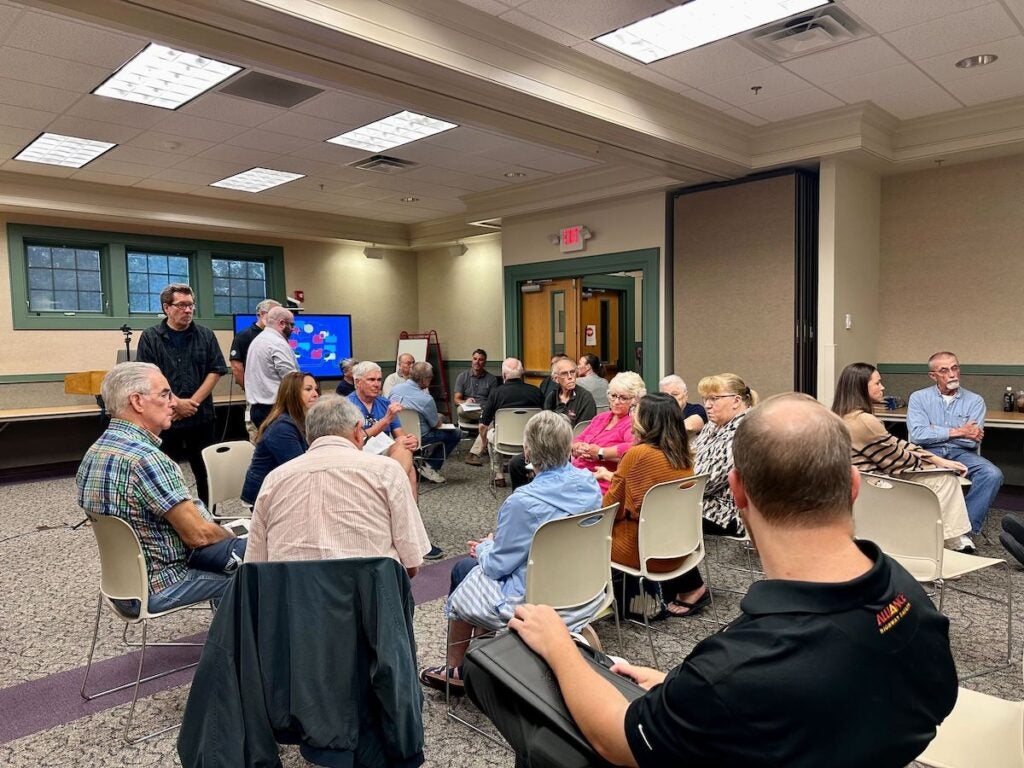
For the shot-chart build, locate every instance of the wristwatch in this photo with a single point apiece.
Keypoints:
(600, 454)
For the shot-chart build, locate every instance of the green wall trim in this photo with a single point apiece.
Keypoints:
(980, 369)
(646, 260)
(31, 378)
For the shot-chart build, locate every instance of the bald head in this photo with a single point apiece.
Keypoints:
(792, 456)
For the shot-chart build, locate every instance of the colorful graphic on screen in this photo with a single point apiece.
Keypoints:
(320, 342)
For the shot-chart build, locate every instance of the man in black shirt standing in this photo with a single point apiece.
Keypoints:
(838, 658)
(189, 357)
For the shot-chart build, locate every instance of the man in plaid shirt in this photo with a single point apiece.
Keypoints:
(125, 474)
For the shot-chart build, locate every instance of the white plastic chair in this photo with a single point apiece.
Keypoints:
(670, 527)
(904, 519)
(226, 465)
(509, 426)
(412, 425)
(981, 730)
(580, 426)
(124, 577)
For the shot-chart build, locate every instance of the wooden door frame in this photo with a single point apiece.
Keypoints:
(646, 260)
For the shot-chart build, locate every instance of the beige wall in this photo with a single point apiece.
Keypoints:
(848, 261)
(951, 244)
(461, 298)
(734, 283)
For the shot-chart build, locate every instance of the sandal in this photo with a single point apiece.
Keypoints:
(435, 677)
(692, 609)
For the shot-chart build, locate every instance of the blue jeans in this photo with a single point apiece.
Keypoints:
(196, 587)
(986, 479)
(449, 438)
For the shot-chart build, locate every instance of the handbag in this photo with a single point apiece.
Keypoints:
(516, 689)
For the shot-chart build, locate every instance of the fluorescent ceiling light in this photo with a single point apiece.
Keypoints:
(698, 23)
(163, 77)
(256, 180)
(69, 151)
(392, 132)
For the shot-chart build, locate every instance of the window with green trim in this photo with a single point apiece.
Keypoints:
(85, 279)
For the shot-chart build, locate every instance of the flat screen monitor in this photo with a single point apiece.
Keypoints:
(320, 342)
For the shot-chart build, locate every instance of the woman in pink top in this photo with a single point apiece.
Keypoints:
(610, 434)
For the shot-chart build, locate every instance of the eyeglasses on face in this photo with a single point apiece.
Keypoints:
(710, 399)
(568, 374)
(183, 305)
(617, 396)
(951, 369)
(163, 394)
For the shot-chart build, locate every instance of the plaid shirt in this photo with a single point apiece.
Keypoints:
(126, 475)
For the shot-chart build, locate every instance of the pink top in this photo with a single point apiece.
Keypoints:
(597, 432)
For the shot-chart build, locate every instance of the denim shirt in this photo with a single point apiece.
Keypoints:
(929, 417)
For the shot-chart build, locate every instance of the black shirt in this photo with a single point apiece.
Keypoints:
(514, 393)
(580, 406)
(240, 344)
(852, 674)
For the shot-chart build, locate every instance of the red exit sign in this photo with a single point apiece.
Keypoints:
(571, 239)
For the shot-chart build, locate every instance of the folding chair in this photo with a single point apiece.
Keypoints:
(670, 527)
(509, 425)
(411, 424)
(580, 426)
(124, 577)
(981, 730)
(226, 465)
(904, 519)
(569, 565)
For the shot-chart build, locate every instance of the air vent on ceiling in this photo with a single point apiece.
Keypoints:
(807, 33)
(383, 164)
(268, 89)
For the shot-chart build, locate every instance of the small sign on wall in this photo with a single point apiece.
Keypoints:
(572, 239)
(590, 336)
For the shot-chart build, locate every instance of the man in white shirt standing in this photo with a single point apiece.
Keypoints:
(270, 357)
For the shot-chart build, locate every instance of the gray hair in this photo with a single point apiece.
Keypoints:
(511, 369)
(122, 381)
(629, 383)
(331, 415)
(279, 313)
(266, 305)
(673, 379)
(421, 372)
(547, 440)
(348, 364)
(361, 369)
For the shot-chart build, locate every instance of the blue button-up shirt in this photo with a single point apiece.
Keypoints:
(930, 417)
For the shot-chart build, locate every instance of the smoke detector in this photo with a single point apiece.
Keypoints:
(812, 32)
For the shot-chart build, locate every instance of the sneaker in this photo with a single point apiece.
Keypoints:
(961, 544)
(435, 553)
(474, 460)
(427, 472)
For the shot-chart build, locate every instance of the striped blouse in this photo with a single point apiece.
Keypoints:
(873, 449)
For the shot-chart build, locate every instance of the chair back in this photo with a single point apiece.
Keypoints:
(570, 559)
(123, 574)
(905, 521)
(580, 426)
(226, 465)
(509, 425)
(411, 423)
(670, 520)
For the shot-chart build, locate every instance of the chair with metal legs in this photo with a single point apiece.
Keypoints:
(124, 576)
(670, 527)
(226, 465)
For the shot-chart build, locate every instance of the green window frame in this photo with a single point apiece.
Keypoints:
(113, 248)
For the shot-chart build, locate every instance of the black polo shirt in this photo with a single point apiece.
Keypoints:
(240, 344)
(852, 674)
(579, 407)
(514, 393)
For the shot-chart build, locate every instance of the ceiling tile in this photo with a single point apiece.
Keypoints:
(492, 7)
(978, 26)
(529, 174)
(75, 40)
(197, 127)
(107, 164)
(886, 82)
(19, 136)
(737, 91)
(943, 67)
(608, 56)
(183, 146)
(857, 58)
(793, 105)
(269, 141)
(335, 154)
(706, 99)
(910, 104)
(419, 152)
(165, 186)
(1016, 7)
(1001, 84)
(346, 110)
(214, 169)
(745, 116)
(231, 109)
(710, 64)
(451, 178)
(303, 125)
(229, 153)
(100, 177)
(192, 178)
(133, 154)
(109, 110)
(19, 94)
(656, 77)
(464, 139)
(590, 18)
(32, 67)
(541, 28)
(887, 15)
(8, 15)
(22, 117)
(69, 125)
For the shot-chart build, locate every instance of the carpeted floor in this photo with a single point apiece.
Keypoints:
(50, 572)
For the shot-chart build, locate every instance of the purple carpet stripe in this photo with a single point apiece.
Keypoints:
(39, 705)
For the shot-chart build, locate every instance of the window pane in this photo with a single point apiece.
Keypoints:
(257, 271)
(177, 265)
(240, 305)
(221, 286)
(57, 275)
(222, 305)
(157, 264)
(137, 263)
(149, 274)
(220, 268)
(237, 268)
(238, 287)
(241, 281)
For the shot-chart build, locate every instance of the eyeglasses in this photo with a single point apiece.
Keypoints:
(572, 373)
(183, 305)
(163, 394)
(710, 399)
(616, 396)
(951, 369)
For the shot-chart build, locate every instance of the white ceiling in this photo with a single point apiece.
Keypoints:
(531, 93)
